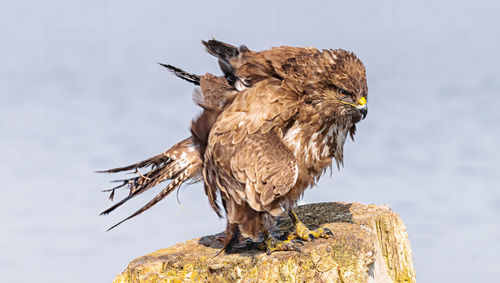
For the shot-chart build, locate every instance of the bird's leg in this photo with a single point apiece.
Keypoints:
(230, 238)
(303, 233)
(272, 244)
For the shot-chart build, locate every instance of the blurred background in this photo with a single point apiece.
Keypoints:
(80, 91)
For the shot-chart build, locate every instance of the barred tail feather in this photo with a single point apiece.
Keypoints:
(142, 183)
(183, 159)
(176, 182)
(154, 161)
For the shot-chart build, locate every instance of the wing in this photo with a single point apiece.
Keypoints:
(266, 167)
(253, 165)
(278, 62)
(241, 65)
(258, 172)
(301, 67)
(264, 107)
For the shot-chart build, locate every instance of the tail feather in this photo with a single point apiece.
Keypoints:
(142, 183)
(176, 182)
(154, 161)
(179, 163)
(194, 79)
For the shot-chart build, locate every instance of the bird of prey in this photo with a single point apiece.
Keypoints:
(270, 127)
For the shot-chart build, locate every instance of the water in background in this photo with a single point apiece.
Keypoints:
(80, 91)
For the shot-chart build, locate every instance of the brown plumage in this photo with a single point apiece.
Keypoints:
(269, 129)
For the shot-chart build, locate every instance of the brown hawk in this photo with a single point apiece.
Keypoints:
(269, 129)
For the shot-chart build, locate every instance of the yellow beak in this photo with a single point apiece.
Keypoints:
(362, 101)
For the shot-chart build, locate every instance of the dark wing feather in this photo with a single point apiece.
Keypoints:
(226, 53)
(221, 50)
(194, 79)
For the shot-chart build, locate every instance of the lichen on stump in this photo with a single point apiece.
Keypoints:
(370, 245)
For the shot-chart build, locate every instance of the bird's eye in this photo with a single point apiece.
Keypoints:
(344, 92)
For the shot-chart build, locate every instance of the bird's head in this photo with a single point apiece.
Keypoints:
(340, 87)
(349, 83)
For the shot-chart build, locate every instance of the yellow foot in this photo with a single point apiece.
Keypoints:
(303, 233)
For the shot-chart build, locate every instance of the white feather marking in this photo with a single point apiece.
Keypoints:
(329, 135)
(292, 133)
(313, 146)
(296, 170)
(341, 139)
(183, 161)
(239, 85)
(297, 148)
(292, 140)
(337, 144)
(315, 135)
(326, 151)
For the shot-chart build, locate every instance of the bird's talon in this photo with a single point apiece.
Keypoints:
(302, 232)
(272, 245)
(297, 249)
(297, 241)
(328, 233)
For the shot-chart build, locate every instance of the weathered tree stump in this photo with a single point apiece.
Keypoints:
(370, 245)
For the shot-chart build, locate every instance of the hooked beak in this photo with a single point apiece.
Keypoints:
(363, 110)
(360, 106)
